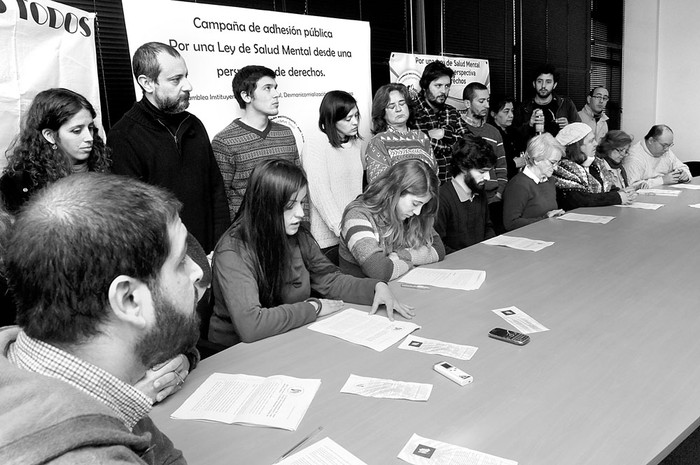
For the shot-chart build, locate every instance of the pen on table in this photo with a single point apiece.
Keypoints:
(300, 443)
(416, 286)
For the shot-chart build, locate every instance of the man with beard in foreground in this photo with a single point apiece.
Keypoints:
(435, 117)
(546, 110)
(463, 215)
(104, 290)
(158, 142)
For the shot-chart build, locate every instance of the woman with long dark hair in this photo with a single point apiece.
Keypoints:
(389, 229)
(58, 138)
(393, 141)
(267, 263)
(332, 159)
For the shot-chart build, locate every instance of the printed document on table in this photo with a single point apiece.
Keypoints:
(520, 320)
(520, 243)
(695, 205)
(373, 331)
(324, 452)
(643, 205)
(277, 401)
(432, 346)
(465, 280)
(424, 451)
(386, 388)
(662, 192)
(586, 218)
(685, 186)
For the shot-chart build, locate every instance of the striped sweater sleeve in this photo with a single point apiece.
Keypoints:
(362, 240)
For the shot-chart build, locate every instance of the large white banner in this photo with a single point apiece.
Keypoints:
(407, 69)
(43, 44)
(311, 56)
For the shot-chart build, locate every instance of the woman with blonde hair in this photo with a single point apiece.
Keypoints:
(389, 229)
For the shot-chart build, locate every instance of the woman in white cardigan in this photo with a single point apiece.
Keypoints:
(332, 159)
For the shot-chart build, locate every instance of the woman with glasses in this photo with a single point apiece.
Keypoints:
(610, 153)
(530, 196)
(576, 185)
(393, 141)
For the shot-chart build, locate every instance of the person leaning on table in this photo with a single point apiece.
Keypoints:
(531, 195)
(267, 264)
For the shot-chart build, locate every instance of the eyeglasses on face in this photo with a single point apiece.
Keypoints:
(664, 146)
(602, 98)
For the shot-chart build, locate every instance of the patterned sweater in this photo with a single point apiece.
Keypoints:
(391, 146)
(239, 148)
(335, 180)
(576, 187)
(361, 252)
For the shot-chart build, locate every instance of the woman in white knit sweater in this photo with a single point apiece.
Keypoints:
(332, 159)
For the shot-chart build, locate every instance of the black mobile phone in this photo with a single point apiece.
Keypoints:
(513, 337)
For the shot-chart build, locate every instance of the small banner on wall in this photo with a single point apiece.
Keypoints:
(407, 69)
(311, 55)
(44, 44)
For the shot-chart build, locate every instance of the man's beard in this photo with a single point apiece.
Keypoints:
(544, 93)
(173, 106)
(173, 332)
(434, 100)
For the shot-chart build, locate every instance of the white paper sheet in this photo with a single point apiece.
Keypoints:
(695, 205)
(424, 451)
(520, 243)
(386, 388)
(662, 192)
(432, 346)
(373, 331)
(520, 320)
(465, 280)
(643, 205)
(685, 186)
(586, 218)
(324, 452)
(278, 401)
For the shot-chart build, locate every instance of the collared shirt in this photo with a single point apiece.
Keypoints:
(531, 174)
(130, 404)
(599, 126)
(462, 193)
(448, 119)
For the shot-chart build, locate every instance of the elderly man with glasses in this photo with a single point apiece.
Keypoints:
(651, 162)
(593, 112)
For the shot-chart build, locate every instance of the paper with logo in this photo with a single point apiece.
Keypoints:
(424, 451)
(386, 388)
(324, 452)
(586, 218)
(464, 280)
(277, 401)
(374, 331)
(520, 320)
(520, 243)
(433, 346)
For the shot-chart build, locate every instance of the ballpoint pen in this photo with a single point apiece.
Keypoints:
(416, 286)
(299, 444)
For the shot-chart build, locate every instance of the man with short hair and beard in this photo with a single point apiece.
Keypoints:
(158, 142)
(435, 117)
(546, 108)
(105, 290)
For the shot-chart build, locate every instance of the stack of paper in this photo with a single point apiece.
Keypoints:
(465, 280)
(663, 192)
(644, 206)
(373, 331)
(435, 347)
(386, 388)
(685, 186)
(520, 243)
(586, 218)
(277, 401)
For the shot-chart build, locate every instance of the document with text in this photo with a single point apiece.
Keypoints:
(520, 320)
(374, 331)
(643, 205)
(424, 451)
(520, 243)
(277, 401)
(435, 347)
(661, 192)
(324, 452)
(386, 388)
(600, 219)
(465, 280)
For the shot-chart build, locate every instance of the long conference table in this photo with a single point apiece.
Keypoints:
(615, 380)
